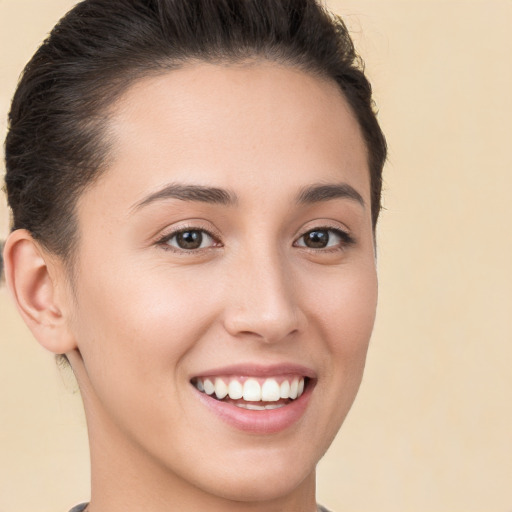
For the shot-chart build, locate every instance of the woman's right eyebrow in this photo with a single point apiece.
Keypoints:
(201, 193)
(215, 195)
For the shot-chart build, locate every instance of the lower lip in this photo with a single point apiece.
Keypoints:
(268, 421)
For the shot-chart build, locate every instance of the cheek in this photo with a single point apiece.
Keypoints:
(344, 306)
(344, 313)
(356, 318)
(128, 323)
(134, 334)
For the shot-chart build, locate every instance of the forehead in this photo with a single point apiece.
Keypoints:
(242, 126)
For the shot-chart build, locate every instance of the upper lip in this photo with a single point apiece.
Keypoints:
(258, 370)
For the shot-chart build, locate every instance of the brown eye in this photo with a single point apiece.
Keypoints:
(317, 239)
(324, 238)
(190, 239)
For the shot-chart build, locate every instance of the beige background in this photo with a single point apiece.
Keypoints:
(432, 427)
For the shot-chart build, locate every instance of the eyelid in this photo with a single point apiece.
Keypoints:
(163, 239)
(197, 225)
(346, 238)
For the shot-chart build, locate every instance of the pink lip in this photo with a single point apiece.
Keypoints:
(260, 422)
(255, 370)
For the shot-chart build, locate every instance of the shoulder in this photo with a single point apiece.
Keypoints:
(81, 507)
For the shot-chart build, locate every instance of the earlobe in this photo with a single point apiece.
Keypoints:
(32, 278)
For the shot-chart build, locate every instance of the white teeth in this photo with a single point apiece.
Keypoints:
(301, 387)
(294, 388)
(235, 390)
(209, 388)
(252, 390)
(270, 391)
(285, 389)
(252, 407)
(221, 390)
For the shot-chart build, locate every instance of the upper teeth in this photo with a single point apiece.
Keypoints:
(251, 390)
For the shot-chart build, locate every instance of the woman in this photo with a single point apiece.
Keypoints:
(195, 187)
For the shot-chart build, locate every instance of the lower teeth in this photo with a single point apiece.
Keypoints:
(254, 407)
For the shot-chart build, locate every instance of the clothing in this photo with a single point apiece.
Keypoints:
(81, 507)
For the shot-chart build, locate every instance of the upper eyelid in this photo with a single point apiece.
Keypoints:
(347, 238)
(168, 234)
(324, 226)
(191, 226)
(172, 234)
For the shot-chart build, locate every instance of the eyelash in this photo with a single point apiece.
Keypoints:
(164, 240)
(346, 239)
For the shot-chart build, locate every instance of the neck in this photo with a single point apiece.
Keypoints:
(124, 477)
(127, 483)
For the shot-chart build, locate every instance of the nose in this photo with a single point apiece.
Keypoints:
(262, 302)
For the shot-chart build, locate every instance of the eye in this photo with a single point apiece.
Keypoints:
(324, 238)
(189, 239)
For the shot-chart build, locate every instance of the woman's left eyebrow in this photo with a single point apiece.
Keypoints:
(186, 192)
(325, 192)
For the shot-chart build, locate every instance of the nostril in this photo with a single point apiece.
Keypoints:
(250, 325)
(264, 305)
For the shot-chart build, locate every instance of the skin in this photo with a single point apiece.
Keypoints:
(142, 316)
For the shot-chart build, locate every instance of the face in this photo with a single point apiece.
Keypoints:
(227, 249)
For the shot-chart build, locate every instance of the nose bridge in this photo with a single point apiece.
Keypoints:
(262, 299)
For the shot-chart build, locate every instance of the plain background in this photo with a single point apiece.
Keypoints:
(431, 429)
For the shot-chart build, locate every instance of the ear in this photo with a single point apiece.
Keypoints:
(37, 284)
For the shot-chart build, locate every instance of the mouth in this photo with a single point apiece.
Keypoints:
(259, 401)
(252, 393)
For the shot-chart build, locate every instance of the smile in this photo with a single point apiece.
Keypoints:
(253, 393)
(257, 399)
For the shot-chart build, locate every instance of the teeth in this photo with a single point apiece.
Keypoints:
(285, 389)
(209, 388)
(221, 390)
(235, 390)
(270, 391)
(301, 387)
(251, 390)
(252, 407)
(294, 389)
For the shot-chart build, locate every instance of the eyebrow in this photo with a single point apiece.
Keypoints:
(215, 195)
(200, 193)
(326, 192)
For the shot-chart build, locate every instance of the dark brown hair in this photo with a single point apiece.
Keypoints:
(57, 144)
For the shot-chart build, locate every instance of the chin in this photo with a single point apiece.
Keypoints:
(258, 479)
(264, 485)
